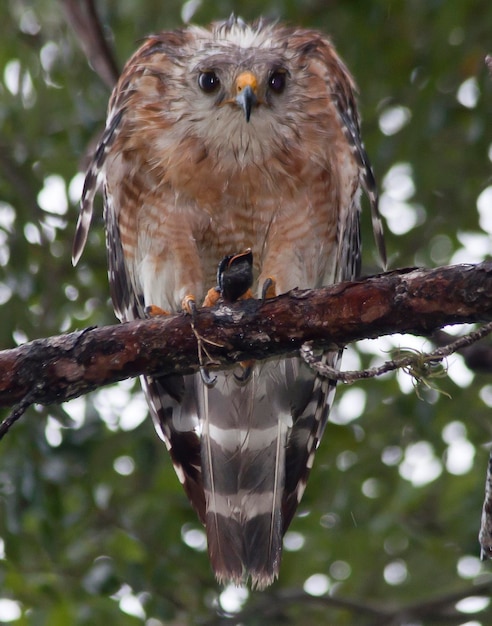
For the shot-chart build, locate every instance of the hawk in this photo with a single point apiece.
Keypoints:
(219, 140)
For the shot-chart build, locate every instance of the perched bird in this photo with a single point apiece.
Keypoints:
(218, 140)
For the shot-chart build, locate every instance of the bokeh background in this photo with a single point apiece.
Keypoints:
(94, 526)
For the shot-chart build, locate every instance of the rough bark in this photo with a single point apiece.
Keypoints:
(417, 301)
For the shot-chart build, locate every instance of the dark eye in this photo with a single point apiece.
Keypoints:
(277, 81)
(208, 81)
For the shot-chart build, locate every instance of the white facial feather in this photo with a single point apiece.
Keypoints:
(238, 33)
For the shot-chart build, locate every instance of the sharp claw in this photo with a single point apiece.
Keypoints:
(206, 378)
(188, 304)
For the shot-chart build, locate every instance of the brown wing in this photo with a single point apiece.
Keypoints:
(315, 394)
(165, 395)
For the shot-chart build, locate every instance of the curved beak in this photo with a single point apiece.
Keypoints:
(246, 98)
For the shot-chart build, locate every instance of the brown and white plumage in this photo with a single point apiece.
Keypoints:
(221, 139)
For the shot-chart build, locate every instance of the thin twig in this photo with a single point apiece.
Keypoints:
(18, 411)
(413, 362)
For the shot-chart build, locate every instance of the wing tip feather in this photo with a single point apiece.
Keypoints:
(378, 230)
(81, 233)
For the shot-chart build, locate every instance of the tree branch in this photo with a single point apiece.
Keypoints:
(417, 301)
(418, 364)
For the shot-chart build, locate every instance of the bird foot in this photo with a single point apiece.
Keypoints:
(234, 280)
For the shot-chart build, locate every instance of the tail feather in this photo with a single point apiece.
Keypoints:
(306, 434)
(263, 528)
(243, 453)
(164, 395)
(243, 464)
(220, 466)
(225, 549)
(262, 565)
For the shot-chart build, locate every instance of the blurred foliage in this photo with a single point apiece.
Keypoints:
(92, 517)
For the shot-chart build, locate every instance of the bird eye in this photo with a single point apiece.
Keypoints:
(277, 81)
(208, 81)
